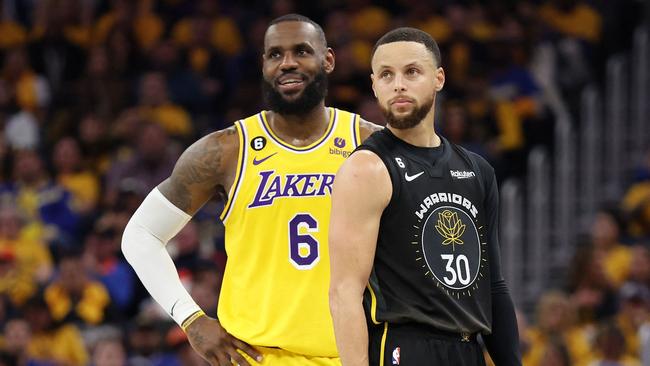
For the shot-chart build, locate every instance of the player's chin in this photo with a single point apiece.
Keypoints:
(403, 112)
(291, 96)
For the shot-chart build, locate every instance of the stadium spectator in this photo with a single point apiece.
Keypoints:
(209, 23)
(101, 91)
(155, 105)
(53, 342)
(609, 347)
(605, 235)
(82, 183)
(556, 321)
(74, 297)
(102, 260)
(136, 18)
(46, 205)
(152, 161)
(25, 264)
(634, 313)
(109, 352)
(591, 292)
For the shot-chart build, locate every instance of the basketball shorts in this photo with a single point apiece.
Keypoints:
(410, 345)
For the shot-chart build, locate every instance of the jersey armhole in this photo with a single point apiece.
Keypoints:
(471, 160)
(241, 165)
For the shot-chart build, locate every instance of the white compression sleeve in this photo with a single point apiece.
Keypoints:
(152, 225)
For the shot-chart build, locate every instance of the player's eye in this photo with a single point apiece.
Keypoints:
(304, 51)
(412, 71)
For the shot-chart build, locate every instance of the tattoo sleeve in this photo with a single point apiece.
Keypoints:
(200, 171)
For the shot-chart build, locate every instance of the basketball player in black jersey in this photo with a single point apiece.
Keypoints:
(413, 232)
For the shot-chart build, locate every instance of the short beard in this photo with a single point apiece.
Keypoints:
(313, 94)
(412, 119)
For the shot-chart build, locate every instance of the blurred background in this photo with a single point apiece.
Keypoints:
(99, 97)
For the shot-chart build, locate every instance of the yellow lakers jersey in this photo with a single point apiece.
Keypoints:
(275, 286)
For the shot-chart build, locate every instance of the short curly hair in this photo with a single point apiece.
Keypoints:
(407, 34)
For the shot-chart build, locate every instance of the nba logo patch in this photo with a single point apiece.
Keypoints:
(396, 356)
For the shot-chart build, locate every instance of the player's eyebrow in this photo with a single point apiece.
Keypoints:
(384, 67)
(390, 67)
(272, 49)
(412, 64)
(304, 45)
(298, 46)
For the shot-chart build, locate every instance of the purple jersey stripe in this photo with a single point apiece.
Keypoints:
(300, 149)
(355, 126)
(242, 164)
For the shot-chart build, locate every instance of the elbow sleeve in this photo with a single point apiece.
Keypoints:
(153, 224)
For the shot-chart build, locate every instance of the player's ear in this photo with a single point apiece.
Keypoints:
(263, 59)
(372, 79)
(329, 60)
(440, 79)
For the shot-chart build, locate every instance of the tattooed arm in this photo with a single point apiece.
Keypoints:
(203, 170)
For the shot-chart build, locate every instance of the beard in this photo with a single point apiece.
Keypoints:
(313, 93)
(410, 120)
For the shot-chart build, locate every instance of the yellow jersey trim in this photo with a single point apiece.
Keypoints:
(330, 128)
(241, 165)
(383, 344)
(373, 305)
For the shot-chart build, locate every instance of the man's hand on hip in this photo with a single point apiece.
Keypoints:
(216, 345)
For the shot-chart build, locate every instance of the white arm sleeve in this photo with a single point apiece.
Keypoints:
(152, 225)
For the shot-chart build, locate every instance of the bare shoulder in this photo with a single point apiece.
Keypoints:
(366, 164)
(367, 128)
(362, 170)
(203, 169)
(359, 172)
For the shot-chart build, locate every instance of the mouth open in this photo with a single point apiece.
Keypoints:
(290, 83)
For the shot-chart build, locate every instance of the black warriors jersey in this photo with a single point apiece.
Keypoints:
(431, 265)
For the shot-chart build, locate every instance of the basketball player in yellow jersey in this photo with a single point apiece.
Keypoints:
(277, 167)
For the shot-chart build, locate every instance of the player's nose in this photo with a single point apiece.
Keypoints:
(398, 83)
(288, 61)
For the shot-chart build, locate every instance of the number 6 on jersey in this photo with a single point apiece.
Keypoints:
(303, 248)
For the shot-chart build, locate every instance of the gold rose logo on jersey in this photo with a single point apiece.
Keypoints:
(451, 228)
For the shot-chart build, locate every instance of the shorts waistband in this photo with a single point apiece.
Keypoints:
(422, 330)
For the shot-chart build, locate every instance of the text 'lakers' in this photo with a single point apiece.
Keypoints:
(274, 186)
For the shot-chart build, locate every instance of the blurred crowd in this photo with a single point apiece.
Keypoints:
(601, 316)
(99, 97)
